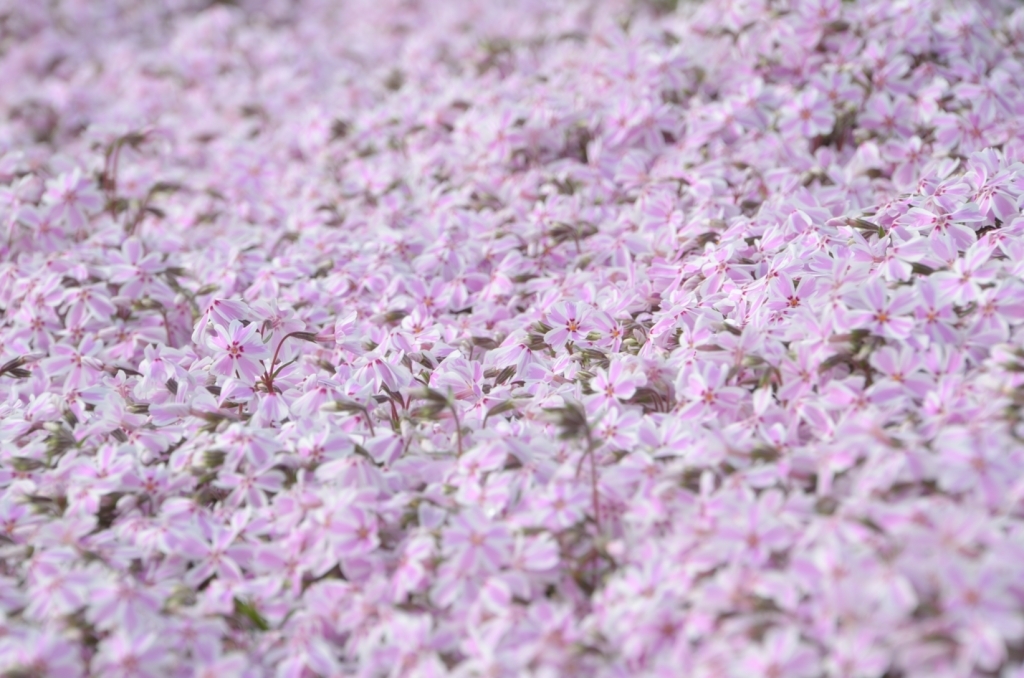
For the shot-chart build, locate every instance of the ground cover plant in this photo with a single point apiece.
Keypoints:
(471, 338)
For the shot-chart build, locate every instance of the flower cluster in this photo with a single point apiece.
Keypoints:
(407, 338)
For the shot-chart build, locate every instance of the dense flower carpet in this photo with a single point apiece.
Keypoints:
(582, 338)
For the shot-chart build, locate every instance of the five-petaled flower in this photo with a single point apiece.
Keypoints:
(569, 321)
(239, 351)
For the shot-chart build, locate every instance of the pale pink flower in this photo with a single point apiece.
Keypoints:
(72, 198)
(239, 351)
(807, 115)
(617, 383)
(473, 543)
(569, 322)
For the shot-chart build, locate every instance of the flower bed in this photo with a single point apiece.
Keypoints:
(408, 338)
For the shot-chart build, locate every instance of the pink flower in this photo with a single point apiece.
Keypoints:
(807, 115)
(784, 294)
(216, 552)
(660, 211)
(43, 652)
(934, 311)
(780, 654)
(563, 505)
(513, 352)
(889, 115)
(271, 409)
(232, 665)
(137, 273)
(16, 520)
(72, 197)
(857, 655)
(613, 331)
(909, 156)
(902, 370)
(979, 601)
(353, 529)
(756, 533)
(432, 297)
(238, 351)
(78, 364)
(56, 591)
(132, 653)
(124, 604)
(318, 392)
(250, 486)
(1000, 307)
(530, 555)
(616, 383)
(618, 427)
(964, 281)
(704, 391)
(91, 299)
(569, 322)
(459, 376)
(377, 368)
(473, 544)
(882, 314)
(218, 312)
(413, 567)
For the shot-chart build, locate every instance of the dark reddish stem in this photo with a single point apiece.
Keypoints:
(593, 482)
(268, 377)
(458, 425)
(589, 452)
(110, 175)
